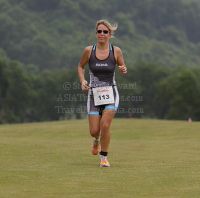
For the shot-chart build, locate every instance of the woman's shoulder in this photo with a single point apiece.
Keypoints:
(87, 51)
(117, 50)
(88, 48)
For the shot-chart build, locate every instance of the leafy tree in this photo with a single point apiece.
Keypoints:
(16, 94)
(3, 86)
(178, 95)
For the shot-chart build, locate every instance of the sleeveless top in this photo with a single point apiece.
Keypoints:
(102, 72)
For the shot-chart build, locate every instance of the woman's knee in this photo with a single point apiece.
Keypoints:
(105, 126)
(94, 132)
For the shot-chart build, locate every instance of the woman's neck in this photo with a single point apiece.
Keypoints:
(103, 46)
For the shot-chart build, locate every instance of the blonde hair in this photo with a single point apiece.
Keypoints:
(111, 27)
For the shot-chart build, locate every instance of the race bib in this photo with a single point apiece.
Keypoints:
(103, 95)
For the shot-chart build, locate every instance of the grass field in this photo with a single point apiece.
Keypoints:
(149, 158)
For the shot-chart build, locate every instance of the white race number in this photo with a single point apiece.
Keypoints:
(103, 95)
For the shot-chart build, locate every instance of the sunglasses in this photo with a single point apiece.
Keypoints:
(104, 31)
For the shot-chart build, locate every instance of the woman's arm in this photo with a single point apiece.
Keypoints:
(120, 60)
(81, 67)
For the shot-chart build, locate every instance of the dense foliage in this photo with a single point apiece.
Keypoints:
(160, 43)
(53, 33)
(147, 90)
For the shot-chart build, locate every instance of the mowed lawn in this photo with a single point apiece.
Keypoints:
(149, 158)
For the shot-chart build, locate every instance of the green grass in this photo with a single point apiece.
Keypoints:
(149, 158)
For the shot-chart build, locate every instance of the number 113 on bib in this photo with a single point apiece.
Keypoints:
(103, 95)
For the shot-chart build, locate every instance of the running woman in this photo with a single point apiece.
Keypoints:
(103, 97)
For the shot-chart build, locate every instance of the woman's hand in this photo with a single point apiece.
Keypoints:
(84, 85)
(122, 69)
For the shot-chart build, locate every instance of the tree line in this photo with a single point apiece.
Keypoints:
(51, 34)
(148, 90)
(160, 43)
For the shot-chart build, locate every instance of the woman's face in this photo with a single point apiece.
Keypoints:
(102, 33)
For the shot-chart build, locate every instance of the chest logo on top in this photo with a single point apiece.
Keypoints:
(101, 64)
